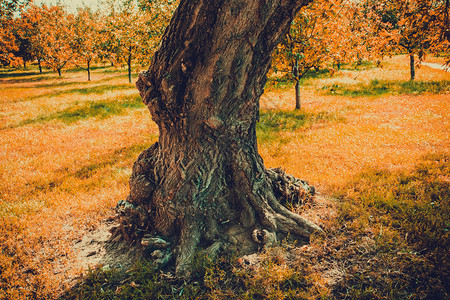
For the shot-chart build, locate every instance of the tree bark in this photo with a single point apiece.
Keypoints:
(129, 66)
(59, 72)
(297, 86)
(40, 67)
(412, 67)
(89, 69)
(203, 184)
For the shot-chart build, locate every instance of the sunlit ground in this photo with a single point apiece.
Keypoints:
(68, 145)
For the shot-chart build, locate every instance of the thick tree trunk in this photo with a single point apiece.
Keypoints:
(411, 66)
(203, 185)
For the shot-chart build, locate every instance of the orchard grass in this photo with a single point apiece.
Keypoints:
(89, 109)
(380, 165)
(380, 87)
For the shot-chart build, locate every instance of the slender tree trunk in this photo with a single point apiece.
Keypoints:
(411, 66)
(129, 66)
(297, 86)
(89, 69)
(40, 67)
(59, 72)
(24, 64)
(203, 184)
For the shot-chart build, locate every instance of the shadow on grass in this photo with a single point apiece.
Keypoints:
(85, 110)
(286, 81)
(382, 87)
(399, 222)
(98, 89)
(274, 122)
(9, 74)
(38, 78)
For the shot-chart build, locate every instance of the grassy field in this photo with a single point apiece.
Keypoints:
(375, 146)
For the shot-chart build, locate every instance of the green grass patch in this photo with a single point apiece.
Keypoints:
(98, 109)
(272, 122)
(89, 109)
(382, 87)
(286, 81)
(100, 89)
(408, 213)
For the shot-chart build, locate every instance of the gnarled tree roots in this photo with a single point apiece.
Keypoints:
(236, 214)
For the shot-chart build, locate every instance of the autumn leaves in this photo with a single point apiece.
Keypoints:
(122, 32)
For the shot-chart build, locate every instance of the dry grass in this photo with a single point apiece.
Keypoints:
(60, 179)
(392, 131)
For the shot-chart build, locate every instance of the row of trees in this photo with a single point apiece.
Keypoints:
(123, 32)
(342, 31)
(325, 32)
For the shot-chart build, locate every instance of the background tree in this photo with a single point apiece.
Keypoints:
(315, 38)
(414, 26)
(108, 46)
(86, 39)
(23, 42)
(32, 28)
(203, 185)
(156, 16)
(30, 25)
(57, 32)
(8, 42)
(127, 28)
(134, 29)
(437, 25)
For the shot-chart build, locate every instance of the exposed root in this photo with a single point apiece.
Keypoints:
(288, 189)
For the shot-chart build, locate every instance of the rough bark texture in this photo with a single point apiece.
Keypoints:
(203, 185)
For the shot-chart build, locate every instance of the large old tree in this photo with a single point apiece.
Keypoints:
(203, 184)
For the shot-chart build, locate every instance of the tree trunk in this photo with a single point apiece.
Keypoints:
(203, 184)
(40, 67)
(411, 66)
(129, 66)
(297, 86)
(24, 64)
(59, 72)
(89, 69)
